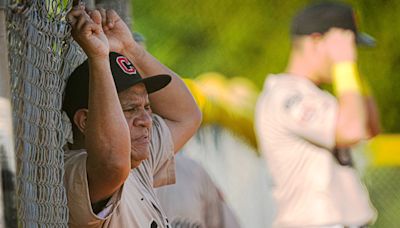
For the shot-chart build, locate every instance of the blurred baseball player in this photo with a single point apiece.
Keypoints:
(195, 201)
(305, 133)
(121, 150)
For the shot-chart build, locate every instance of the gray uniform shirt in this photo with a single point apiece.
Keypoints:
(295, 125)
(135, 204)
(195, 201)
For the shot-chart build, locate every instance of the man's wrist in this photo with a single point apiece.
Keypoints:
(346, 78)
(99, 60)
(133, 51)
(98, 57)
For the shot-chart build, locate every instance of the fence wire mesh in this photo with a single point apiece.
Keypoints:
(383, 184)
(41, 57)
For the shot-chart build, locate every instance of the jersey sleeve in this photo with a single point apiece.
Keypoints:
(76, 184)
(230, 219)
(162, 153)
(217, 212)
(308, 115)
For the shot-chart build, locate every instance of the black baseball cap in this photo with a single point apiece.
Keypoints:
(125, 75)
(320, 17)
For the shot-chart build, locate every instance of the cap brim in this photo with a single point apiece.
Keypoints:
(157, 82)
(365, 40)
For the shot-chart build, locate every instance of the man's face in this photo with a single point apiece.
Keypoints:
(136, 107)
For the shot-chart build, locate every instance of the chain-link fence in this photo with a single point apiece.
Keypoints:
(383, 184)
(41, 57)
(190, 36)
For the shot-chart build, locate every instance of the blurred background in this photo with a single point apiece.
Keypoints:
(250, 39)
(224, 50)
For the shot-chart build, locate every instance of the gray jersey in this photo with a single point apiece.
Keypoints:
(295, 124)
(135, 204)
(194, 201)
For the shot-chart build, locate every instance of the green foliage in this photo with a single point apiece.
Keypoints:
(383, 186)
(381, 64)
(250, 39)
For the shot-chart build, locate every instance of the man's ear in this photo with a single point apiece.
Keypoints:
(80, 119)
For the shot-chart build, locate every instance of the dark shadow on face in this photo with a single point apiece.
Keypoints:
(136, 107)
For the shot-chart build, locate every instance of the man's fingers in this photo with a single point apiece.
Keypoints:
(83, 19)
(112, 17)
(73, 16)
(95, 15)
(103, 16)
(94, 28)
(75, 13)
(71, 19)
(340, 44)
(80, 22)
(340, 32)
(77, 10)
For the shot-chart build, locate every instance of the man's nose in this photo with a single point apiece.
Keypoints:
(143, 120)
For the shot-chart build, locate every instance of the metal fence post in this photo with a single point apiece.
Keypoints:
(7, 152)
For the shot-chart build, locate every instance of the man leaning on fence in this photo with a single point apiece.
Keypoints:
(121, 150)
(305, 133)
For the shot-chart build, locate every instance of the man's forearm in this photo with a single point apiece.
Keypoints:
(351, 120)
(350, 128)
(174, 103)
(372, 112)
(107, 135)
(105, 117)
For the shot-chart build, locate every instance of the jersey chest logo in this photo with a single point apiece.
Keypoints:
(155, 225)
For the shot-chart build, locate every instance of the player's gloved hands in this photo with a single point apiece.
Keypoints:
(118, 34)
(87, 31)
(340, 45)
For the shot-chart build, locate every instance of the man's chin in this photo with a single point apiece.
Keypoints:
(138, 157)
(135, 164)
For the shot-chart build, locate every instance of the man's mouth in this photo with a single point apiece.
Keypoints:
(142, 139)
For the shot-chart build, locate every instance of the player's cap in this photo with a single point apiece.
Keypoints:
(320, 17)
(124, 73)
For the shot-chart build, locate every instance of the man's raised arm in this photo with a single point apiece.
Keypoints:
(107, 137)
(174, 103)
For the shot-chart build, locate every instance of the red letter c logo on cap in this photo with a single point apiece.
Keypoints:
(126, 65)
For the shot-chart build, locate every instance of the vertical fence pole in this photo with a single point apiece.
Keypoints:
(122, 7)
(7, 153)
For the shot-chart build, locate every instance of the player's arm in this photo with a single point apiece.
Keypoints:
(174, 103)
(107, 137)
(373, 124)
(350, 127)
(352, 116)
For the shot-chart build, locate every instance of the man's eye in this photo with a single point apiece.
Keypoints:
(130, 110)
(147, 107)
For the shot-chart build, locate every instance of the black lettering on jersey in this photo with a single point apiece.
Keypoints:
(292, 101)
(153, 224)
(304, 110)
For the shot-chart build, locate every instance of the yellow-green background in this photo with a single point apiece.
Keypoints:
(250, 39)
